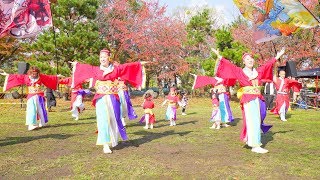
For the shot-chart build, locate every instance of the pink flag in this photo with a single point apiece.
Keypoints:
(24, 18)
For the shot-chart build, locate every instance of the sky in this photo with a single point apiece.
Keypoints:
(226, 8)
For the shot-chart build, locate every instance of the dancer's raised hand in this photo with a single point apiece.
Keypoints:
(216, 52)
(144, 62)
(73, 63)
(3, 73)
(280, 53)
(193, 75)
(60, 76)
(219, 80)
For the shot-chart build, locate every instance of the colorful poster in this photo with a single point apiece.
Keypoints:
(24, 18)
(274, 18)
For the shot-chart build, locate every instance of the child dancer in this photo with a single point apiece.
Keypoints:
(36, 108)
(184, 103)
(224, 103)
(148, 117)
(216, 115)
(221, 92)
(77, 94)
(126, 107)
(283, 86)
(51, 99)
(171, 113)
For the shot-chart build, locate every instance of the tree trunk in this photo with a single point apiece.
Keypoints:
(147, 80)
(175, 79)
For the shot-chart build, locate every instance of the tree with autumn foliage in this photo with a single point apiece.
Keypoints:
(9, 54)
(140, 31)
(9, 50)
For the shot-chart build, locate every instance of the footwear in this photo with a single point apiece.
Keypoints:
(81, 110)
(123, 123)
(32, 127)
(171, 122)
(259, 150)
(146, 127)
(106, 149)
(213, 126)
(226, 125)
(151, 126)
(42, 125)
(174, 123)
(218, 127)
(183, 114)
(77, 118)
(283, 120)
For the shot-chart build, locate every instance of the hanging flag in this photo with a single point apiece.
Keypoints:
(24, 18)
(275, 18)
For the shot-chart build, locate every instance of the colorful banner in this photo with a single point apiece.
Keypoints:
(24, 18)
(274, 18)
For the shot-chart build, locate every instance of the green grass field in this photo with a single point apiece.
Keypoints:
(66, 149)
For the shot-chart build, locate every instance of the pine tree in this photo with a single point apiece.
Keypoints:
(200, 37)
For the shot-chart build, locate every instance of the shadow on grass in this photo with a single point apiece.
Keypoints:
(178, 122)
(65, 110)
(192, 113)
(188, 122)
(159, 123)
(266, 138)
(69, 124)
(235, 122)
(288, 115)
(88, 118)
(68, 110)
(164, 124)
(136, 122)
(148, 137)
(17, 140)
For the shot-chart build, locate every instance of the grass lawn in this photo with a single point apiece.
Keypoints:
(66, 149)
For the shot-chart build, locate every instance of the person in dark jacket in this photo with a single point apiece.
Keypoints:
(51, 99)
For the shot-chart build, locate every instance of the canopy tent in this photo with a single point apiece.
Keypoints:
(311, 73)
